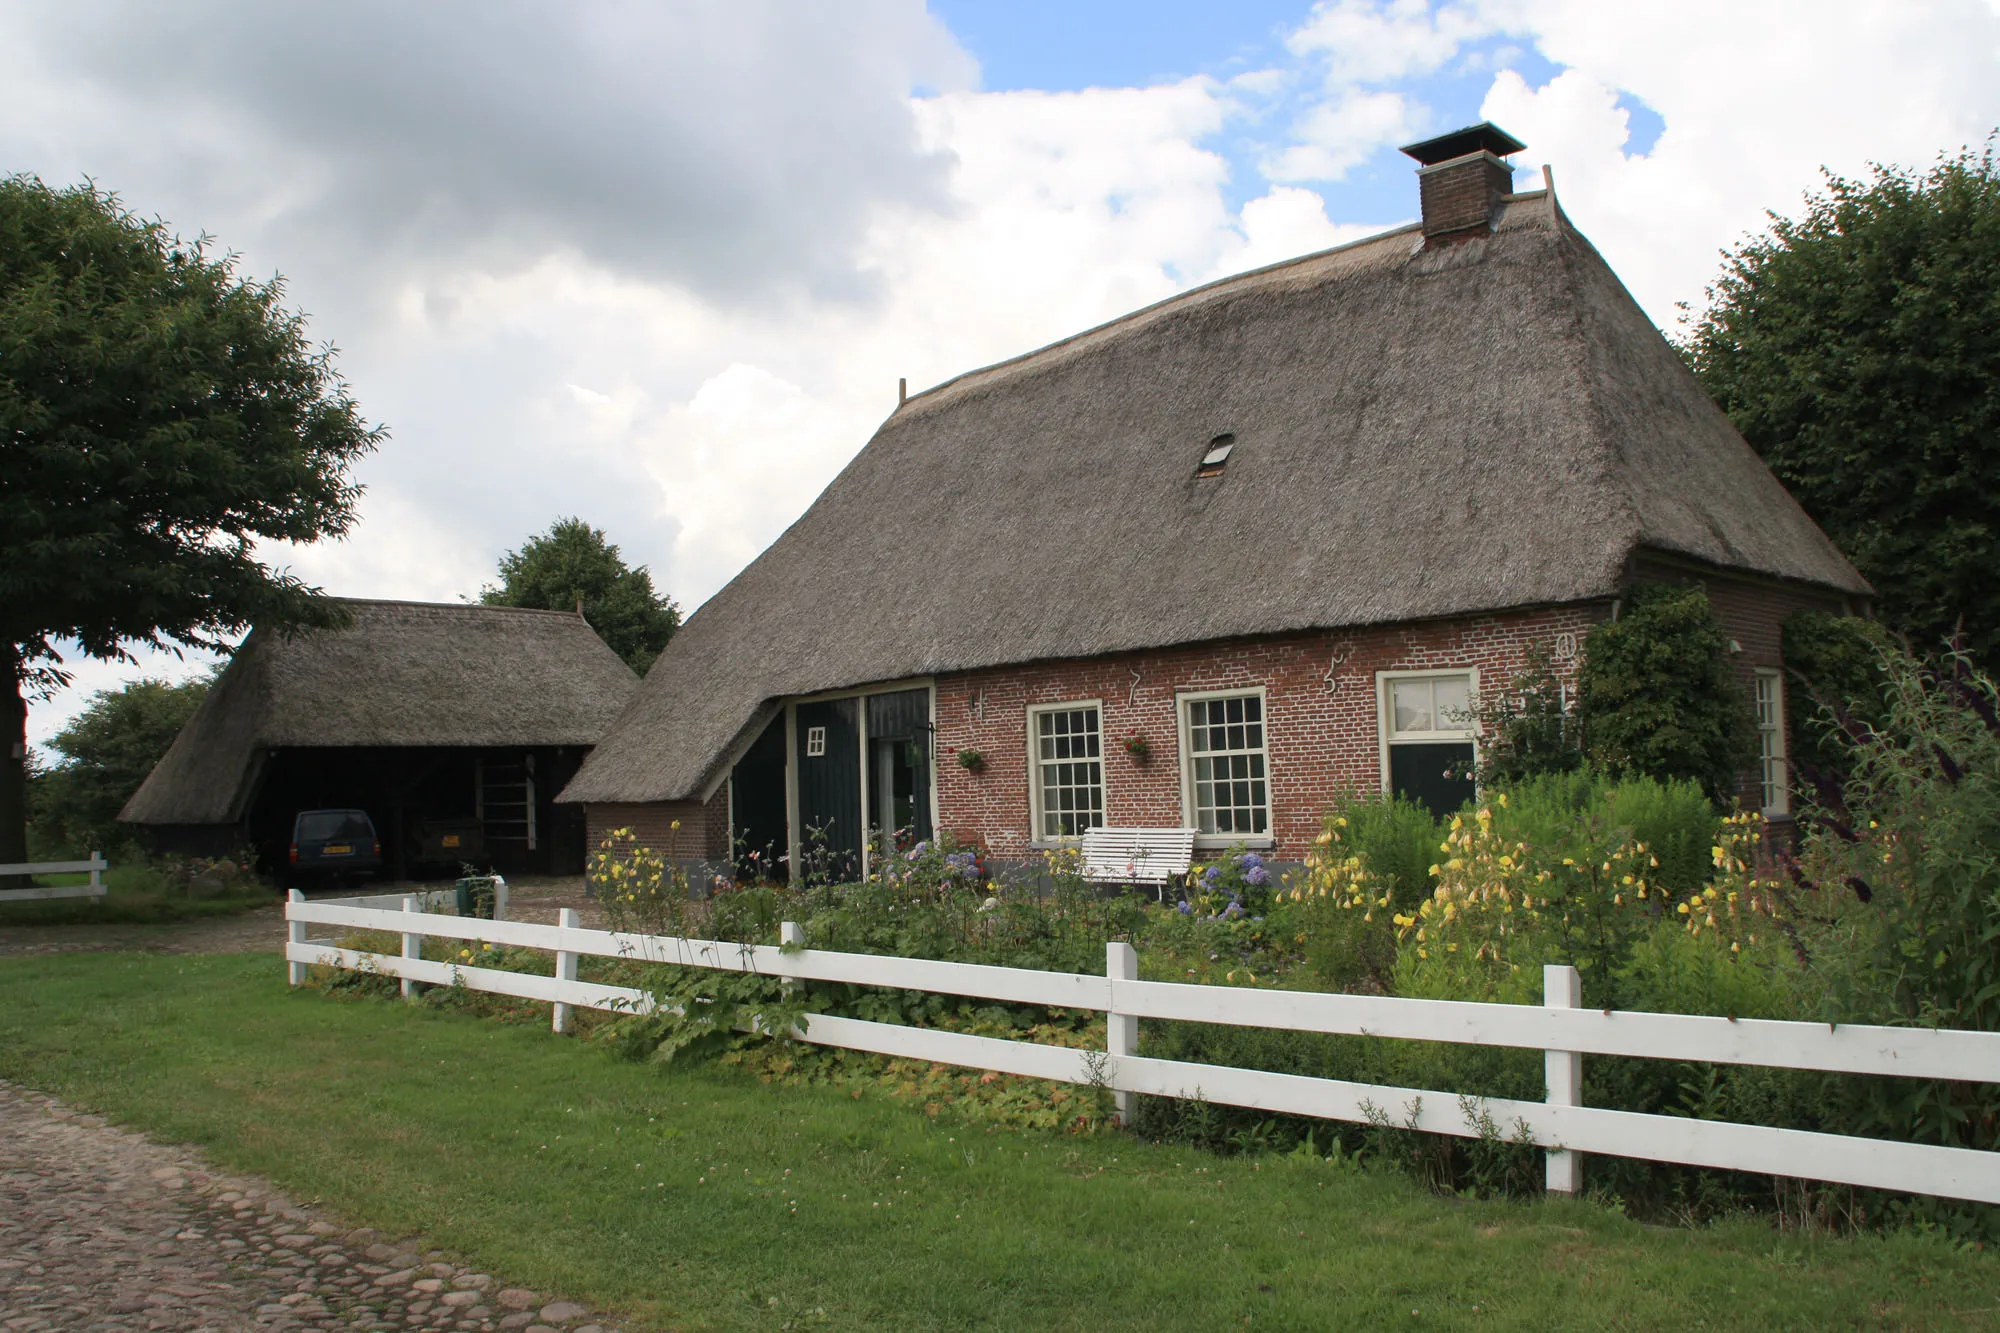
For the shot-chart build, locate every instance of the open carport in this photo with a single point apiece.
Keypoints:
(424, 715)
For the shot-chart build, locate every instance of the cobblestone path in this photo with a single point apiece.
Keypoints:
(104, 1231)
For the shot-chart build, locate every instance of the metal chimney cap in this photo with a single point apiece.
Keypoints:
(1483, 137)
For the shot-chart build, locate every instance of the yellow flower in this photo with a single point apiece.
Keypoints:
(1683, 909)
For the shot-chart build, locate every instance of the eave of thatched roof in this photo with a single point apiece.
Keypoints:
(400, 674)
(1420, 432)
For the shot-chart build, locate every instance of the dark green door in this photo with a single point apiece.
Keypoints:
(757, 804)
(829, 768)
(1435, 774)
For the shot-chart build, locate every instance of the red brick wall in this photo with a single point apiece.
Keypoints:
(1320, 741)
(703, 833)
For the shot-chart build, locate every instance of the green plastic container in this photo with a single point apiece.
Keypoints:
(476, 895)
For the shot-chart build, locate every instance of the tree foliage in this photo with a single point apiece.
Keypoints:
(573, 563)
(108, 749)
(1658, 697)
(159, 417)
(1857, 347)
(1527, 729)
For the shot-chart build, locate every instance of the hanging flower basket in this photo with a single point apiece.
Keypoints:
(1138, 747)
(972, 761)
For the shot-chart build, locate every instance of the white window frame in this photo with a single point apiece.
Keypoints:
(1037, 837)
(815, 742)
(1774, 769)
(1385, 714)
(1189, 816)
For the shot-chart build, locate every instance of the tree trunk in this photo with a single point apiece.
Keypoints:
(13, 763)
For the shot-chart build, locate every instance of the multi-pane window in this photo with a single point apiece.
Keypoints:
(1228, 783)
(1068, 779)
(1771, 743)
(1429, 743)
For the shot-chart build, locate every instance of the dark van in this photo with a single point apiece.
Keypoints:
(334, 843)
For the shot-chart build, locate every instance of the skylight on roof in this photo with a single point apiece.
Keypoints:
(1217, 455)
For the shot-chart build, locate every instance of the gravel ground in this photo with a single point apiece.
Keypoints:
(104, 1231)
(530, 898)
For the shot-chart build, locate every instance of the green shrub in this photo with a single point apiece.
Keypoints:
(1527, 729)
(1658, 697)
(1836, 667)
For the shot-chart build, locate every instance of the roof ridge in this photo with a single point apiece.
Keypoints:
(452, 606)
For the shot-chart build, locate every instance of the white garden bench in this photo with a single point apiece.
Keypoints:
(1132, 856)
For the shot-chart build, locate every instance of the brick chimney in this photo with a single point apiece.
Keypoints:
(1462, 178)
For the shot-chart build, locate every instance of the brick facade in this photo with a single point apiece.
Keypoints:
(1322, 731)
(703, 835)
(1320, 711)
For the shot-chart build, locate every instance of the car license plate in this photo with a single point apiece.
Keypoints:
(338, 849)
(451, 840)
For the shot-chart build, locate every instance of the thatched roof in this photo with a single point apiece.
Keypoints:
(401, 674)
(1418, 432)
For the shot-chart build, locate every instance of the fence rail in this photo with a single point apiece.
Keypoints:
(95, 867)
(1559, 1124)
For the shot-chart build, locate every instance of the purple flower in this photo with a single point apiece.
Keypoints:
(1232, 912)
(1257, 875)
(1211, 876)
(1249, 861)
(1184, 907)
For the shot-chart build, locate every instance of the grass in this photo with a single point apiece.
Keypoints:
(704, 1198)
(134, 893)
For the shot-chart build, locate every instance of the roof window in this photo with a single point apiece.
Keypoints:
(1218, 454)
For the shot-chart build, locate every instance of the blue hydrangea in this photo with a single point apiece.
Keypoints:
(1257, 875)
(1232, 912)
(1249, 861)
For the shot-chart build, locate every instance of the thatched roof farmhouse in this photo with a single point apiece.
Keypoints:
(413, 711)
(1306, 507)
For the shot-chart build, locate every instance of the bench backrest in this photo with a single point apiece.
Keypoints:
(1149, 856)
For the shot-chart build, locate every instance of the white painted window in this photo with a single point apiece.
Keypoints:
(1777, 794)
(1225, 766)
(1431, 709)
(815, 742)
(1066, 769)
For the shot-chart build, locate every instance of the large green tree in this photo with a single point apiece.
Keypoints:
(1857, 347)
(108, 749)
(159, 417)
(574, 564)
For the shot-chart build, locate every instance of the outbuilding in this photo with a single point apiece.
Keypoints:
(428, 716)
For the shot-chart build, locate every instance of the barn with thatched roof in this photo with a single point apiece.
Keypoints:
(1212, 562)
(422, 714)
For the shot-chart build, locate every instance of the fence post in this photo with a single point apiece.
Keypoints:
(298, 935)
(567, 919)
(413, 946)
(1121, 1031)
(97, 865)
(1562, 988)
(790, 932)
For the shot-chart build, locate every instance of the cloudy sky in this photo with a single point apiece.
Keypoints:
(660, 265)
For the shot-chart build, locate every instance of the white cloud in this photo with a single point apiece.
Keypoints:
(1376, 41)
(1337, 135)
(1755, 98)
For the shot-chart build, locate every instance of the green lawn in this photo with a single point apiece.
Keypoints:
(705, 1199)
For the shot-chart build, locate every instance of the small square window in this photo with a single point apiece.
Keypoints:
(815, 742)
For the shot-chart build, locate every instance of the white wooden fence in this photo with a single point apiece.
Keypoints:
(96, 866)
(1566, 1032)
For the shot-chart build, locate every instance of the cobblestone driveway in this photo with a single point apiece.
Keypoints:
(103, 1231)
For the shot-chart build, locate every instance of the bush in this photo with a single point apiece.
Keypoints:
(1658, 697)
